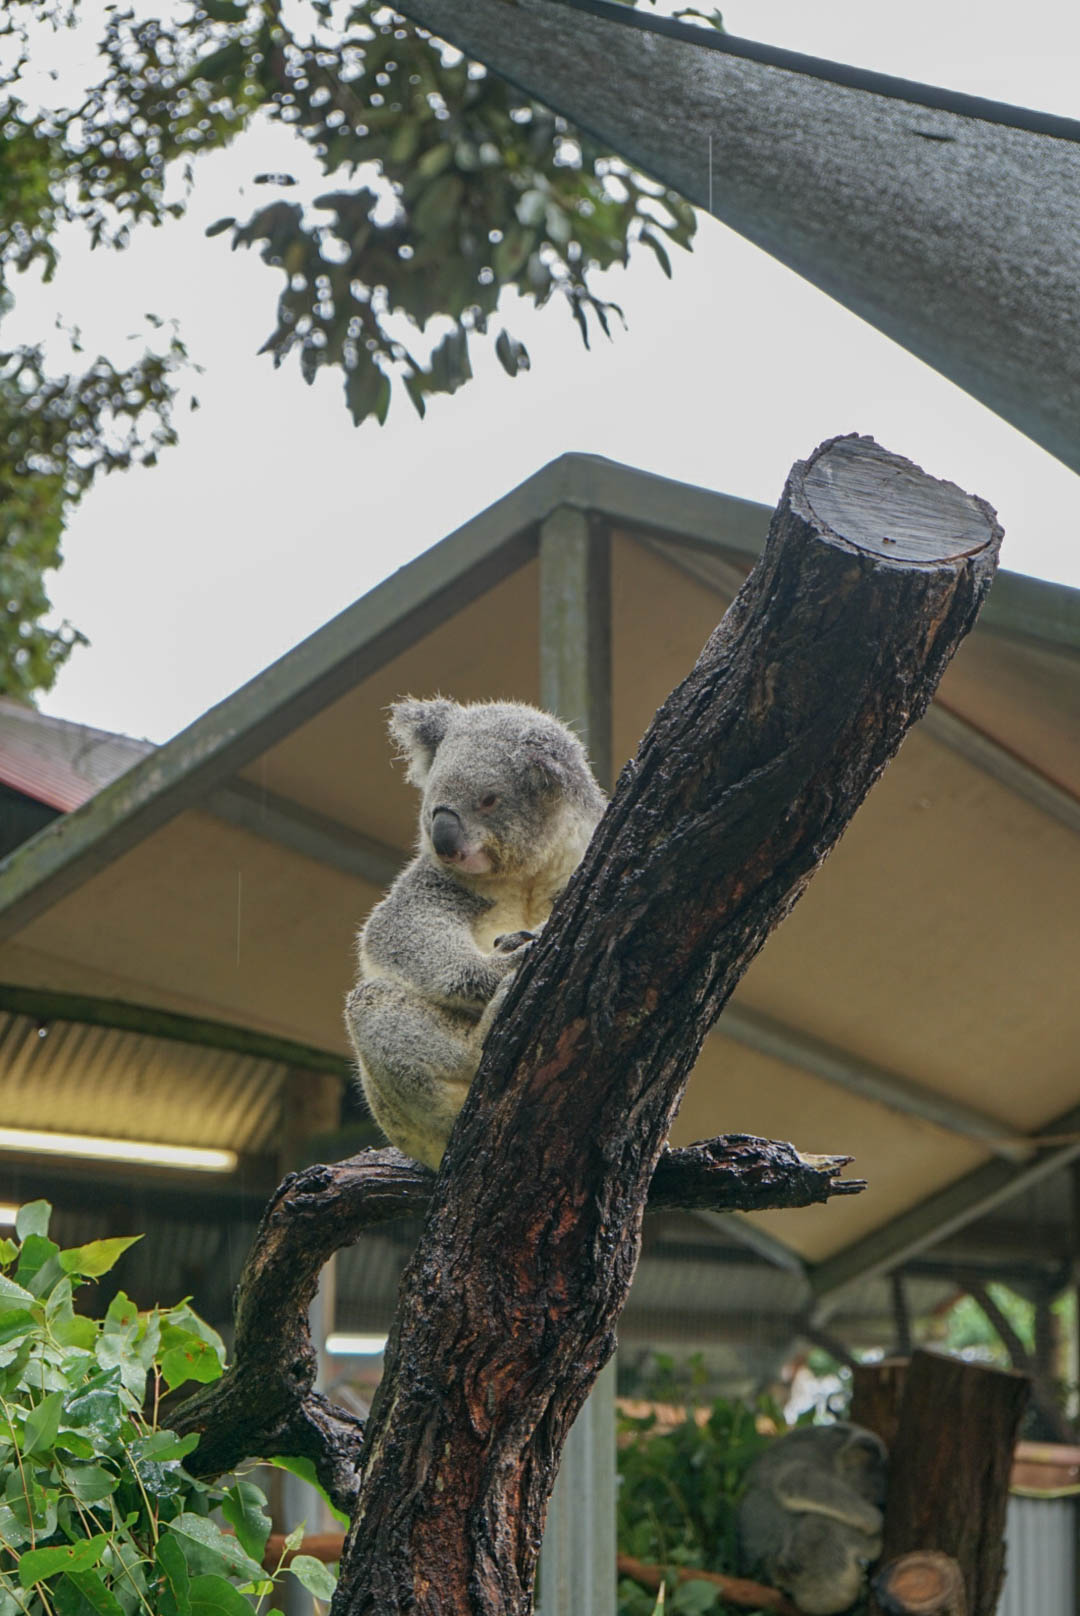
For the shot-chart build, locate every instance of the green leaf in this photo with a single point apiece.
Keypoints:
(213, 1596)
(32, 1505)
(439, 204)
(92, 1588)
(8, 1252)
(695, 1598)
(162, 1445)
(97, 1409)
(244, 1507)
(170, 1562)
(42, 1423)
(306, 1472)
(122, 1316)
(317, 1578)
(148, 1340)
(197, 1531)
(434, 160)
(19, 1322)
(661, 256)
(35, 1253)
(191, 1360)
(36, 1564)
(98, 1257)
(13, 1296)
(184, 1319)
(78, 1331)
(90, 1483)
(33, 1218)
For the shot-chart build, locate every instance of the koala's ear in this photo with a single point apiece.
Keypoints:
(549, 759)
(417, 728)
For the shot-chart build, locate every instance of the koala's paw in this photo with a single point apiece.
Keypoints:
(511, 941)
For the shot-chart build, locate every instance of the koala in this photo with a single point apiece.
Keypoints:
(810, 1521)
(508, 806)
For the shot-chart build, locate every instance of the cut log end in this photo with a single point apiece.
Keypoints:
(922, 1583)
(889, 507)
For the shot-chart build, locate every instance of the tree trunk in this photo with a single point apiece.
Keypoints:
(877, 1391)
(949, 1468)
(872, 574)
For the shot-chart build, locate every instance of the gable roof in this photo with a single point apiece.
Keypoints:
(212, 892)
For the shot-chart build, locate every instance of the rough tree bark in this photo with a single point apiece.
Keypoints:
(872, 574)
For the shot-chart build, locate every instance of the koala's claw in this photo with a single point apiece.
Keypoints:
(510, 941)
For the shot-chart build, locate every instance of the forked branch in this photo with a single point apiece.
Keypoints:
(266, 1404)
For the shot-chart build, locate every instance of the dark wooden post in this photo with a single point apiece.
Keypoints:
(951, 1430)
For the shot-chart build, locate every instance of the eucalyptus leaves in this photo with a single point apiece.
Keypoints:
(98, 1516)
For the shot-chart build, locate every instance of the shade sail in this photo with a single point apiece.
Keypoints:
(950, 224)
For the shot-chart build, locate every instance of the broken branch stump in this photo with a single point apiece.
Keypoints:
(266, 1403)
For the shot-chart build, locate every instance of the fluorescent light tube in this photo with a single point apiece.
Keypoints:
(340, 1345)
(35, 1140)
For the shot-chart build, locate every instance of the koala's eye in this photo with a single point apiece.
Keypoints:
(487, 803)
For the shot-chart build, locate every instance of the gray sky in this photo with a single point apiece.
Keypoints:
(274, 512)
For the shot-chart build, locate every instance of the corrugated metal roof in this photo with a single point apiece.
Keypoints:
(57, 762)
(94, 1080)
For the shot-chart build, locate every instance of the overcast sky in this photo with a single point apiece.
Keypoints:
(274, 512)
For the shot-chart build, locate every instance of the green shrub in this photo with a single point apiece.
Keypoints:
(98, 1516)
(677, 1498)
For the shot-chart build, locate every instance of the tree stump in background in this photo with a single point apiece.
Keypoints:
(923, 1583)
(953, 1430)
(876, 1393)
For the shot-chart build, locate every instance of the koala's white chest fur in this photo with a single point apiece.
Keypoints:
(517, 909)
(525, 904)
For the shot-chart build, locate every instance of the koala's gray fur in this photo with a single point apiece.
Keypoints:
(810, 1518)
(516, 804)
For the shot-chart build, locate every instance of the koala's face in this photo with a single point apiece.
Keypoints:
(499, 782)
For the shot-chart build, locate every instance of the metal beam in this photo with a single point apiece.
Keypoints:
(757, 1240)
(301, 830)
(575, 630)
(577, 1562)
(768, 1037)
(940, 1215)
(980, 749)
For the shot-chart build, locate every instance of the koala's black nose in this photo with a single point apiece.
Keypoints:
(447, 833)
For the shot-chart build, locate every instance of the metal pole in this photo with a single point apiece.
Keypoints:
(577, 1562)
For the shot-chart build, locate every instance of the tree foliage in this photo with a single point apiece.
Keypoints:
(449, 189)
(97, 1511)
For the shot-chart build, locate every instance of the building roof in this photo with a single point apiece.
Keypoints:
(56, 762)
(211, 893)
(948, 222)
